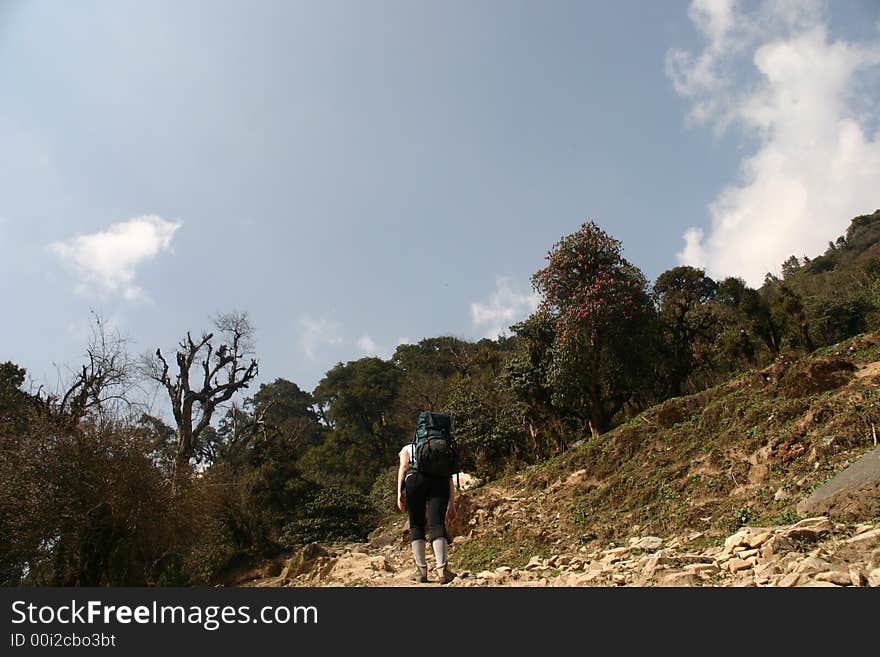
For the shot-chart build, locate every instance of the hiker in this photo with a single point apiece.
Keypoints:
(426, 495)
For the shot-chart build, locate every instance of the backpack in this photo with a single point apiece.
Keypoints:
(434, 450)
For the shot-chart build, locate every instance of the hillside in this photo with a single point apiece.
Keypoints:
(702, 490)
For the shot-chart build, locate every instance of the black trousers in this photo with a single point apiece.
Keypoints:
(427, 498)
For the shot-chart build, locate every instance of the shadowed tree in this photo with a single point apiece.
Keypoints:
(744, 310)
(787, 310)
(682, 294)
(357, 398)
(428, 369)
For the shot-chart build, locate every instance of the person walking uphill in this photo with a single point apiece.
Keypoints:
(426, 492)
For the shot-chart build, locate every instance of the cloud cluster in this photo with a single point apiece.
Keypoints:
(367, 346)
(315, 333)
(778, 75)
(506, 305)
(106, 261)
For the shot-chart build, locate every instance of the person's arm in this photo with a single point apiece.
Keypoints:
(401, 473)
(450, 509)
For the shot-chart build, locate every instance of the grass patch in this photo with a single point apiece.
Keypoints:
(490, 553)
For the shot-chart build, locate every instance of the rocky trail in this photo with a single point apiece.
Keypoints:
(812, 552)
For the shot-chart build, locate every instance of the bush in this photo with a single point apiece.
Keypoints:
(332, 514)
(383, 494)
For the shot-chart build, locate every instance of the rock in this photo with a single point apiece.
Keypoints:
(777, 545)
(864, 471)
(735, 540)
(811, 565)
(757, 540)
(818, 583)
(534, 563)
(781, 495)
(856, 577)
(736, 564)
(302, 562)
(789, 580)
(835, 577)
(613, 555)
(678, 579)
(649, 543)
(809, 529)
(865, 538)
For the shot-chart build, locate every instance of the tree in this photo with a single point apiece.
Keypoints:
(526, 375)
(203, 379)
(600, 307)
(489, 421)
(14, 402)
(682, 295)
(745, 310)
(102, 383)
(283, 409)
(790, 267)
(357, 397)
(787, 311)
(83, 492)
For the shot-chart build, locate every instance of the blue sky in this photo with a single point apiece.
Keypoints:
(358, 174)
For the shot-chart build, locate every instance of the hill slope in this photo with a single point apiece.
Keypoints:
(699, 491)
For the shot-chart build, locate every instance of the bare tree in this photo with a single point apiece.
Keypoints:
(204, 377)
(102, 384)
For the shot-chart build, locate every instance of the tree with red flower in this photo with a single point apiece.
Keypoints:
(600, 307)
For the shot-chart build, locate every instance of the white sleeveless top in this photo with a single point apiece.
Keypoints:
(407, 449)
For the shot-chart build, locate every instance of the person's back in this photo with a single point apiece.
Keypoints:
(429, 500)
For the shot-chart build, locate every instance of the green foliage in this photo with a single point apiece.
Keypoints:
(13, 401)
(331, 514)
(281, 409)
(487, 426)
(357, 398)
(342, 461)
(742, 517)
(383, 494)
(687, 323)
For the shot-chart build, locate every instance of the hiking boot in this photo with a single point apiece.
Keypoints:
(445, 575)
(421, 574)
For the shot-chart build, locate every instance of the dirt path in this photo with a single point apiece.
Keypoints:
(813, 552)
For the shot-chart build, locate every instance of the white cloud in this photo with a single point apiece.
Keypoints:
(507, 305)
(106, 261)
(317, 332)
(368, 346)
(815, 165)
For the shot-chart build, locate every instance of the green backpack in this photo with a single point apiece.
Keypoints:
(434, 450)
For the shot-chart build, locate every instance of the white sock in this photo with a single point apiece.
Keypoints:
(439, 545)
(418, 550)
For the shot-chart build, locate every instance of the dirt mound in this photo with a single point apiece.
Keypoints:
(793, 378)
(853, 504)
